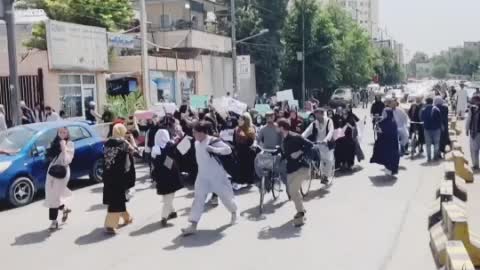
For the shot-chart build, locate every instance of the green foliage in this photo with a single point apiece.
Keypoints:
(440, 71)
(337, 50)
(387, 68)
(110, 14)
(125, 106)
(37, 40)
(266, 50)
(418, 57)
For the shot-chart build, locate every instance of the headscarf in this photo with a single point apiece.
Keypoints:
(162, 137)
(438, 101)
(119, 131)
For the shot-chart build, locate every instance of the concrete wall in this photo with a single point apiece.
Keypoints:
(213, 74)
(39, 59)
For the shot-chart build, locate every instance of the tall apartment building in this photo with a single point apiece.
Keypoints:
(365, 12)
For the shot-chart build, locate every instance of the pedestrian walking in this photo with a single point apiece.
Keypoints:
(439, 102)
(211, 177)
(472, 127)
(165, 173)
(3, 121)
(39, 113)
(294, 147)
(91, 113)
(462, 101)
(60, 154)
(386, 151)
(51, 115)
(243, 139)
(118, 178)
(403, 125)
(27, 114)
(432, 124)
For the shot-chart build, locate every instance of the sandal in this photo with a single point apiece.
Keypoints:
(65, 214)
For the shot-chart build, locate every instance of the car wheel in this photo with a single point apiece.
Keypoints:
(21, 191)
(96, 173)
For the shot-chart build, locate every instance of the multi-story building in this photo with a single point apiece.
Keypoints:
(365, 12)
(471, 45)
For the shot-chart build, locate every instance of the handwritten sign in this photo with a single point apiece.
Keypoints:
(262, 109)
(285, 95)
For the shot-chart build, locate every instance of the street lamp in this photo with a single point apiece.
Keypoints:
(262, 32)
(234, 46)
(301, 57)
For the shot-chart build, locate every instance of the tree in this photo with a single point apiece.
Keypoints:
(266, 50)
(292, 68)
(110, 14)
(418, 57)
(387, 67)
(440, 71)
(356, 64)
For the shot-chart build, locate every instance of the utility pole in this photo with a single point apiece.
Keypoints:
(234, 47)
(303, 53)
(9, 16)
(144, 58)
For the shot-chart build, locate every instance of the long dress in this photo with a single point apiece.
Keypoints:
(444, 136)
(56, 190)
(386, 151)
(246, 156)
(118, 175)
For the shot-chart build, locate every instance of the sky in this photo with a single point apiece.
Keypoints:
(431, 26)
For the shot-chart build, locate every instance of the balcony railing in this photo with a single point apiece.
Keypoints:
(191, 38)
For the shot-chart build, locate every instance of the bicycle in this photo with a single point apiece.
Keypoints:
(415, 136)
(270, 181)
(316, 173)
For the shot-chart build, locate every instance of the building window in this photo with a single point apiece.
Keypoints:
(76, 92)
(162, 86)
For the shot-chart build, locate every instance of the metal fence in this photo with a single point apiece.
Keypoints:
(31, 91)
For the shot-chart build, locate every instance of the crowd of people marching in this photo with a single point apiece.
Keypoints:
(215, 142)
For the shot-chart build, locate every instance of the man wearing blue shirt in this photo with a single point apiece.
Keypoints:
(432, 124)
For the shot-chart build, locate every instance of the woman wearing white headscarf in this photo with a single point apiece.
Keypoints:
(3, 122)
(165, 173)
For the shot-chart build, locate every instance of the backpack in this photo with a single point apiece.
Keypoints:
(230, 163)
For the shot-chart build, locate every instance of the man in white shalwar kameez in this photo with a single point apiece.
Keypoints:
(211, 177)
(462, 101)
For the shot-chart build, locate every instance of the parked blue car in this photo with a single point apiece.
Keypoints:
(23, 164)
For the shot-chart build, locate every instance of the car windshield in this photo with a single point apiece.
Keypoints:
(14, 139)
(340, 92)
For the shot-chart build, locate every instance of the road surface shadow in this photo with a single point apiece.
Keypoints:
(283, 232)
(342, 173)
(97, 207)
(431, 163)
(95, 236)
(202, 238)
(317, 194)
(97, 189)
(253, 213)
(383, 180)
(31, 238)
(150, 228)
(186, 211)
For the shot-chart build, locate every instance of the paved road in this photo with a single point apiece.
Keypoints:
(364, 221)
